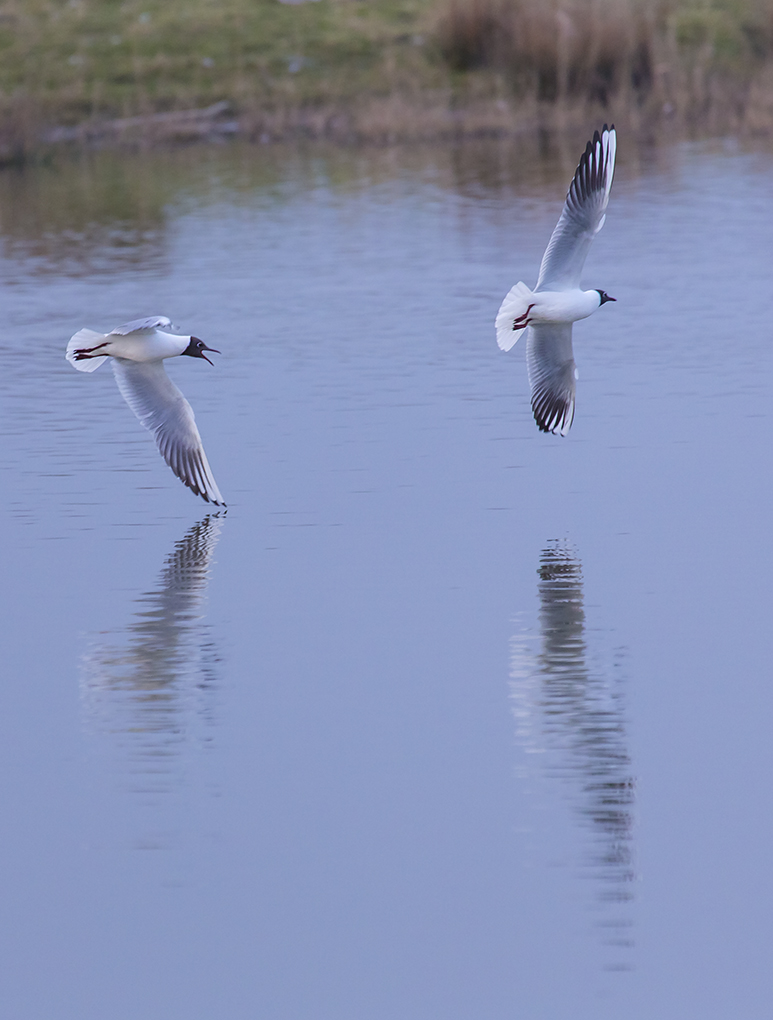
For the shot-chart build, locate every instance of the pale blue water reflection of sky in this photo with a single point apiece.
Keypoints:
(445, 718)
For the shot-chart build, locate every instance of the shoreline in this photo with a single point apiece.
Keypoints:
(382, 121)
(145, 74)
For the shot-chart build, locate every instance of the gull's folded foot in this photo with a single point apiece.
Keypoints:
(84, 351)
(522, 321)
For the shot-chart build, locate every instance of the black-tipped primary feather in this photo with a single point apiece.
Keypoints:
(552, 375)
(165, 412)
(582, 216)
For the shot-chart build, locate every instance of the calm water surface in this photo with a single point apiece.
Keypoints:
(445, 719)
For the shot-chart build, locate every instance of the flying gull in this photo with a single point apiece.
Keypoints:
(548, 311)
(138, 350)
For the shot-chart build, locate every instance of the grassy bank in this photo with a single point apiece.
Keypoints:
(380, 70)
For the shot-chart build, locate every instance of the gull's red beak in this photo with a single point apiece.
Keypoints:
(205, 348)
(196, 348)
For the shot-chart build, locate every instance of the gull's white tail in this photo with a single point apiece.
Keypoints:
(85, 339)
(512, 313)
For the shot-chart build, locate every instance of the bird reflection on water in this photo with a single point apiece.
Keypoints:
(571, 715)
(153, 692)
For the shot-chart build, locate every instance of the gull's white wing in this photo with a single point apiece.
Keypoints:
(142, 325)
(552, 375)
(583, 214)
(165, 412)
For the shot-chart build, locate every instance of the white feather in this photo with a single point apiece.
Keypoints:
(512, 308)
(82, 339)
(148, 325)
(582, 217)
(165, 412)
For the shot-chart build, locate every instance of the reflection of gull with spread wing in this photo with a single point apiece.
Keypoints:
(570, 711)
(152, 687)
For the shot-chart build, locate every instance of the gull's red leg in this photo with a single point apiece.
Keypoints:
(522, 319)
(88, 350)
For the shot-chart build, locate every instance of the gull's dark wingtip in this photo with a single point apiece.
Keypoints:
(204, 495)
(593, 173)
(553, 413)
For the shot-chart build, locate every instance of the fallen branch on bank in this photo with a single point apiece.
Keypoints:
(172, 126)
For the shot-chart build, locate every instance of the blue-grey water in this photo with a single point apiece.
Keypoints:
(444, 719)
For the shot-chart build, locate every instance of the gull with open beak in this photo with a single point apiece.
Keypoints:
(138, 350)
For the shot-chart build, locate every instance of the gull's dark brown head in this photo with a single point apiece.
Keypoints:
(196, 348)
(604, 297)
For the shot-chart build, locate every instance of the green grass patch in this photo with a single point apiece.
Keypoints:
(79, 58)
(380, 63)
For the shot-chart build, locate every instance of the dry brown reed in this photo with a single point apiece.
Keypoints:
(553, 49)
(152, 73)
(702, 64)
